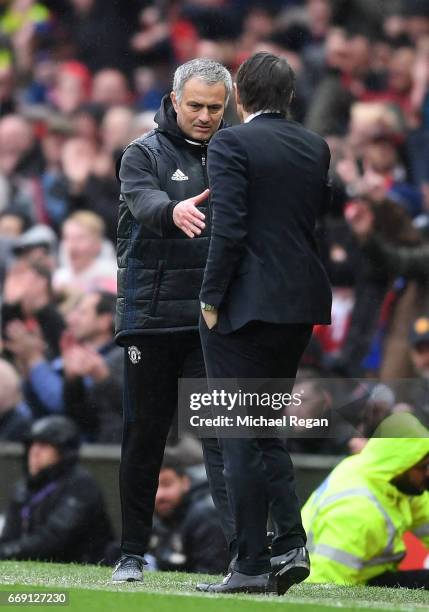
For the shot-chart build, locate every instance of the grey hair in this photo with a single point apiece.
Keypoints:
(207, 70)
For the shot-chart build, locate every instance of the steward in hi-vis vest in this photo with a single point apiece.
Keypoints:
(357, 517)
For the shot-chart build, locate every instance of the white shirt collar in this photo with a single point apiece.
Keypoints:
(196, 144)
(261, 112)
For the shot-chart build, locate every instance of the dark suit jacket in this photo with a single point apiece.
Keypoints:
(268, 181)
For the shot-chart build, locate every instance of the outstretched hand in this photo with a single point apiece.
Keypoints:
(187, 217)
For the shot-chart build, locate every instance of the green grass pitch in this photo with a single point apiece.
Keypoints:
(90, 590)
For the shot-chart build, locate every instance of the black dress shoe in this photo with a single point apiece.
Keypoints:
(235, 582)
(288, 569)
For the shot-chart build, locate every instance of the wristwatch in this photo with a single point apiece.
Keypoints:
(207, 307)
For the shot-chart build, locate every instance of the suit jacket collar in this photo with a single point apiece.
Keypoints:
(270, 115)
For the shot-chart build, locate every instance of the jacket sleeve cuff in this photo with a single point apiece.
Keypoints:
(213, 298)
(169, 219)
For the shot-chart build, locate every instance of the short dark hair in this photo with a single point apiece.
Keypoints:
(266, 82)
(106, 303)
(174, 464)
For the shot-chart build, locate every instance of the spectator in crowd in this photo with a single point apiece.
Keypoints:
(86, 122)
(382, 176)
(12, 225)
(93, 368)
(87, 181)
(357, 517)
(186, 534)
(406, 257)
(21, 162)
(86, 380)
(53, 182)
(87, 27)
(347, 62)
(316, 403)
(30, 320)
(86, 267)
(72, 87)
(38, 244)
(117, 129)
(57, 511)
(25, 22)
(110, 88)
(19, 151)
(416, 394)
(14, 414)
(419, 346)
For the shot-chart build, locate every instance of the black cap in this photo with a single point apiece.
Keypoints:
(59, 431)
(419, 331)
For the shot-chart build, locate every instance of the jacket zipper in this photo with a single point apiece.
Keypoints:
(206, 182)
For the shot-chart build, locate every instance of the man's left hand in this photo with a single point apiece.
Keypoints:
(210, 317)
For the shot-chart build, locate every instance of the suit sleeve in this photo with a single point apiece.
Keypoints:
(228, 181)
(141, 191)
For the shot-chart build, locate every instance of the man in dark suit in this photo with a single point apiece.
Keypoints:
(264, 288)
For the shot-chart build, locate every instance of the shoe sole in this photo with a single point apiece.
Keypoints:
(249, 589)
(286, 577)
(127, 580)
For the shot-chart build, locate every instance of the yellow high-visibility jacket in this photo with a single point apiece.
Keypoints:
(356, 519)
(13, 20)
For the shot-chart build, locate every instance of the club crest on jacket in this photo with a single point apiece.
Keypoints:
(134, 354)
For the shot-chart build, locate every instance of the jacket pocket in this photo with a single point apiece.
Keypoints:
(156, 287)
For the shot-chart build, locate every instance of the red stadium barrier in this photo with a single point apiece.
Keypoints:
(417, 556)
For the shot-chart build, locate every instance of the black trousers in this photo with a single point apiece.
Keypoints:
(150, 403)
(408, 579)
(258, 472)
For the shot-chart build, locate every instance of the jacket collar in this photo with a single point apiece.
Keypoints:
(249, 118)
(265, 115)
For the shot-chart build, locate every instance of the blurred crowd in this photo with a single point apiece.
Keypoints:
(80, 79)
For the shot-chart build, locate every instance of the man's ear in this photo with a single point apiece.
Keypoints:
(173, 100)
(238, 104)
(186, 482)
(237, 95)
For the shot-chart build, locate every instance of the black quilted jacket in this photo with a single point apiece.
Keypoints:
(160, 269)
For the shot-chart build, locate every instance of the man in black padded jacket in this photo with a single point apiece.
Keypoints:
(57, 512)
(163, 238)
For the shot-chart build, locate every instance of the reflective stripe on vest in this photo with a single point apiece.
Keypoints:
(423, 530)
(345, 558)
